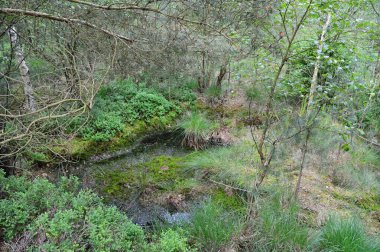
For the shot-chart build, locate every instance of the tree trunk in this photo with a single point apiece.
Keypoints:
(314, 80)
(222, 73)
(30, 104)
(310, 105)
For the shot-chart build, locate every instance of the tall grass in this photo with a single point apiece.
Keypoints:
(277, 227)
(196, 128)
(212, 226)
(234, 165)
(346, 235)
(359, 170)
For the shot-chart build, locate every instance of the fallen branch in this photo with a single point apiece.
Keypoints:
(229, 186)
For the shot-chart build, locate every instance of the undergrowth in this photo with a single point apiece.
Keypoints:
(37, 215)
(346, 235)
(197, 129)
(122, 103)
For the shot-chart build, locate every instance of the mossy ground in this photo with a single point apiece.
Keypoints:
(81, 149)
(162, 180)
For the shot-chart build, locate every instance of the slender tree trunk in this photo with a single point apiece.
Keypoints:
(24, 70)
(310, 106)
(302, 165)
(267, 158)
(314, 80)
(222, 73)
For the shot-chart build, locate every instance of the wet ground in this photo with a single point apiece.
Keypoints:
(120, 178)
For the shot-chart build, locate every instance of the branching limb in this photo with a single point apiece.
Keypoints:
(37, 14)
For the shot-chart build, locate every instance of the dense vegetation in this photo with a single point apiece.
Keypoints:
(190, 125)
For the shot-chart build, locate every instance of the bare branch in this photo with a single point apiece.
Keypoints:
(64, 20)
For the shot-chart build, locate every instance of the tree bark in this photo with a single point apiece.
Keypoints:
(310, 105)
(222, 73)
(30, 104)
(314, 80)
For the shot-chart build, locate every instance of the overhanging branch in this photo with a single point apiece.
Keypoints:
(20, 12)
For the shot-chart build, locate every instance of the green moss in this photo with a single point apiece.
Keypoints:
(340, 196)
(162, 172)
(79, 148)
(229, 202)
(369, 202)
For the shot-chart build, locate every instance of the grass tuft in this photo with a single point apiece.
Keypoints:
(346, 235)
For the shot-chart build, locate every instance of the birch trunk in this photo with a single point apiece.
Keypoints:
(24, 70)
(314, 80)
(309, 108)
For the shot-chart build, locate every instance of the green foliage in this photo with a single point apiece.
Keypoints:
(369, 202)
(121, 103)
(214, 91)
(63, 218)
(334, 68)
(358, 171)
(232, 202)
(212, 226)
(148, 105)
(183, 93)
(38, 157)
(103, 127)
(162, 172)
(346, 235)
(279, 227)
(172, 241)
(232, 165)
(196, 130)
(253, 93)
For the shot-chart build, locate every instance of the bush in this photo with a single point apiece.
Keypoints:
(121, 103)
(61, 217)
(172, 241)
(184, 93)
(149, 105)
(346, 235)
(103, 127)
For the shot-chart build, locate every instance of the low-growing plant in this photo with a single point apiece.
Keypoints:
(121, 103)
(212, 226)
(346, 235)
(172, 241)
(231, 165)
(278, 228)
(61, 217)
(196, 128)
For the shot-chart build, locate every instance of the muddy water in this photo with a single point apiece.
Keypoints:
(144, 150)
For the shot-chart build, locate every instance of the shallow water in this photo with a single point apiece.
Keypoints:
(144, 150)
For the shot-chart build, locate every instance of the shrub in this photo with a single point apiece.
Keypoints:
(172, 241)
(61, 217)
(121, 103)
(148, 105)
(184, 93)
(346, 235)
(103, 127)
